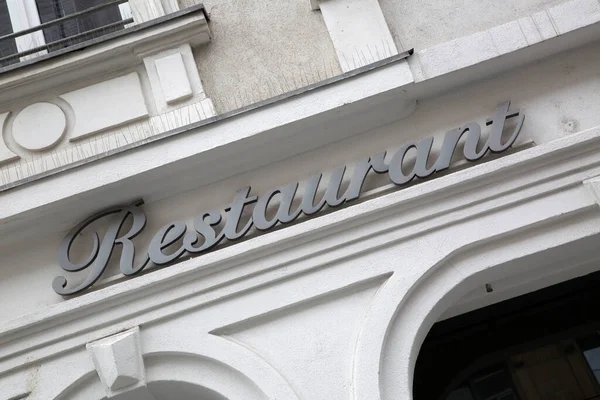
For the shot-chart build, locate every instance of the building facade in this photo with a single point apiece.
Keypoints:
(299, 200)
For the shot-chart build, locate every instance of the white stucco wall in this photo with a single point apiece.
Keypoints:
(558, 96)
(335, 307)
(262, 49)
(421, 24)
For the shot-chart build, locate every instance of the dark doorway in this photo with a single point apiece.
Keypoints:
(541, 346)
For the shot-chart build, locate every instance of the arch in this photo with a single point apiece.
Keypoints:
(213, 366)
(402, 312)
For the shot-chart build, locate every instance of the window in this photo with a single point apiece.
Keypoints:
(591, 351)
(7, 47)
(65, 23)
(97, 21)
(493, 384)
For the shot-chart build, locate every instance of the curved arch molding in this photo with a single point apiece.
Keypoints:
(404, 310)
(209, 363)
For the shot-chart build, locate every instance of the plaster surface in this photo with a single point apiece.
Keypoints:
(333, 307)
(39, 126)
(558, 96)
(262, 49)
(411, 21)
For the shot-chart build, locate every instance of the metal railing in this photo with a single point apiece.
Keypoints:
(68, 40)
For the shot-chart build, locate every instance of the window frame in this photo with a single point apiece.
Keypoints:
(24, 14)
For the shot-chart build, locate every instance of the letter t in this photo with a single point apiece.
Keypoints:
(235, 214)
(498, 121)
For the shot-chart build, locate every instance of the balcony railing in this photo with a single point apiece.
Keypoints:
(75, 28)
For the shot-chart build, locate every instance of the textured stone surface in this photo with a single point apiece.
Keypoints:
(262, 49)
(421, 24)
(482, 46)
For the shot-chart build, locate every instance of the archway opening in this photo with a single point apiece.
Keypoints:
(170, 390)
(542, 345)
(173, 390)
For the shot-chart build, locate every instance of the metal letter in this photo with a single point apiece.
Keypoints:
(205, 224)
(423, 148)
(498, 122)
(284, 214)
(206, 230)
(100, 254)
(234, 214)
(165, 237)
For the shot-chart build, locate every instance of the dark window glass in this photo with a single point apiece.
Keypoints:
(547, 341)
(592, 356)
(8, 47)
(590, 346)
(87, 26)
(463, 393)
(495, 385)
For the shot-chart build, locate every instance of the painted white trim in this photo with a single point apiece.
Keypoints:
(126, 13)
(359, 32)
(24, 15)
(125, 10)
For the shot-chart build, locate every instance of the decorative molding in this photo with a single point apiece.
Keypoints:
(119, 362)
(548, 176)
(112, 110)
(196, 358)
(6, 155)
(339, 98)
(39, 126)
(174, 78)
(104, 56)
(106, 105)
(102, 142)
(405, 309)
(593, 186)
(527, 32)
(358, 30)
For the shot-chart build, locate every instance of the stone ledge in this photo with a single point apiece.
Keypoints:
(506, 40)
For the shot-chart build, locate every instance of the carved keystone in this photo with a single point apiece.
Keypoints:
(593, 186)
(118, 361)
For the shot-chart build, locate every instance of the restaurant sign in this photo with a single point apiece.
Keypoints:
(176, 239)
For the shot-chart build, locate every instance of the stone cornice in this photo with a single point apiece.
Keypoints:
(554, 169)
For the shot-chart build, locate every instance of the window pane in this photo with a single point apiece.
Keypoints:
(493, 386)
(463, 393)
(592, 356)
(50, 10)
(7, 47)
(508, 396)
